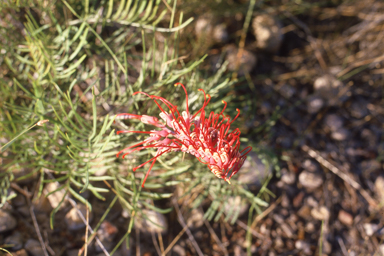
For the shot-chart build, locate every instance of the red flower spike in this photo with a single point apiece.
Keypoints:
(208, 139)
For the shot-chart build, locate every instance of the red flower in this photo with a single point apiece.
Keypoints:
(208, 139)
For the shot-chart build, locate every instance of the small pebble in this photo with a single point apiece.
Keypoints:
(106, 234)
(24, 210)
(345, 218)
(314, 104)
(333, 122)
(297, 200)
(310, 165)
(370, 228)
(21, 252)
(304, 212)
(153, 222)
(177, 250)
(321, 213)
(379, 188)
(309, 227)
(33, 247)
(15, 241)
(327, 247)
(381, 249)
(310, 180)
(359, 109)
(304, 247)
(73, 220)
(267, 31)
(246, 63)
(279, 243)
(19, 200)
(7, 221)
(340, 135)
(55, 198)
(288, 178)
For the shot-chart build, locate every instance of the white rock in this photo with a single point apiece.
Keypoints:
(267, 31)
(381, 249)
(328, 88)
(150, 221)
(379, 188)
(288, 178)
(370, 228)
(303, 246)
(340, 135)
(7, 221)
(310, 180)
(73, 220)
(55, 198)
(178, 251)
(321, 213)
(314, 103)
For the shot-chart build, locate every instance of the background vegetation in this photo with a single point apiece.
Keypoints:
(77, 64)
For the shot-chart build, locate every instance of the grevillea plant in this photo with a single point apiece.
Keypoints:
(208, 139)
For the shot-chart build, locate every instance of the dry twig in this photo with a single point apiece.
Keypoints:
(182, 223)
(342, 174)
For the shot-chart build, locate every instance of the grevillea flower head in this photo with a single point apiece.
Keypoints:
(207, 138)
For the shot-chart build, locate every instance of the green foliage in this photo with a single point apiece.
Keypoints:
(77, 65)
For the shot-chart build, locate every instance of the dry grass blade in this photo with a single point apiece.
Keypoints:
(174, 241)
(36, 226)
(216, 238)
(265, 213)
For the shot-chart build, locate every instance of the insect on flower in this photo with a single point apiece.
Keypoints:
(208, 139)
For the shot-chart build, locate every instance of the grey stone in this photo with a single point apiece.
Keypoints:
(15, 241)
(246, 62)
(33, 247)
(253, 170)
(106, 233)
(73, 220)
(149, 221)
(267, 31)
(314, 103)
(304, 247)
(333, 122)
(7, 221)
